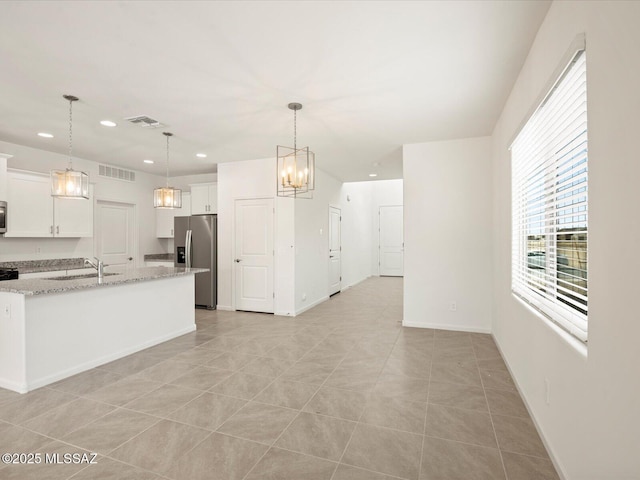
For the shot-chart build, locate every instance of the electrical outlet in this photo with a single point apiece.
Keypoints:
(38, 250)
(547, 388)
(453, 306)
(304, 297)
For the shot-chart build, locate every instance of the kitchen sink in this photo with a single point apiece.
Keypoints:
(78, 277)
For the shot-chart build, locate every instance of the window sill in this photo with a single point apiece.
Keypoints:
(573, 342)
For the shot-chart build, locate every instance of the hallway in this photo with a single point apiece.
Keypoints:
(341, 392)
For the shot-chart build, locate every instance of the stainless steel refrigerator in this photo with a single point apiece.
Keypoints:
(195, 245)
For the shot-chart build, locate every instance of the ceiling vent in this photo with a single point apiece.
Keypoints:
(117, 173)
(144, 121)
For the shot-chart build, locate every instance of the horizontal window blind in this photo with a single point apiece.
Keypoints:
(549, 203)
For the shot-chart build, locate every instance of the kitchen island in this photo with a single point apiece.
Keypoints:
(52, 328)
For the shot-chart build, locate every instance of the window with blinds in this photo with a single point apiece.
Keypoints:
(549, 203)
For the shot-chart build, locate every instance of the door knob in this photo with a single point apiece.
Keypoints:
(237, 260)
(130, 258)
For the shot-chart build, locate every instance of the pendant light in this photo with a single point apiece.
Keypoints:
(167, 197)
(70, 183)
(295, 166)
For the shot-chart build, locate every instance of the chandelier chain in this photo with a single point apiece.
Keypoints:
(295, 132)
(167, 161)
(70, 129)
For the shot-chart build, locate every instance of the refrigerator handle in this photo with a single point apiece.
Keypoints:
(188, 249)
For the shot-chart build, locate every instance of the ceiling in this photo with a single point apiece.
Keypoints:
(371, 76)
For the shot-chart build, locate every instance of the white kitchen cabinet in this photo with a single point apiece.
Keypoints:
(165, 216)
(204, 198)
(30, 212)
(35, 213)
(73, 218)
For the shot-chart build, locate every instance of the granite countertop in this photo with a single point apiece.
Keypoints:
(159, 257)
(49, 265)
(43, 286)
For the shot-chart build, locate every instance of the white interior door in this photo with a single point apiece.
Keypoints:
(115, 234)
(254, 254)
(391, 260)
(335, 249)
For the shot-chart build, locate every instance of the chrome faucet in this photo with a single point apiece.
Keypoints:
(98, 265)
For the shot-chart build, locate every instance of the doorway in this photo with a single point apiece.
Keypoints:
(254, 255)
(115, 241)
(335, 250)
(391, 246)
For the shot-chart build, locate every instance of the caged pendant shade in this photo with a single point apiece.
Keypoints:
(70, 183)
(295, 174)
(167, 197)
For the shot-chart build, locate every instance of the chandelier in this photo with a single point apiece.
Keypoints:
(70, 183)
(167, 197)
(295, 166)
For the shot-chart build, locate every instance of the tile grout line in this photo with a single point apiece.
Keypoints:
(299, 412)
(493, 427)
(363, 411)
(424, 426)
(306, 403)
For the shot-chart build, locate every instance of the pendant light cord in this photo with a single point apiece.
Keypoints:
(295, 146)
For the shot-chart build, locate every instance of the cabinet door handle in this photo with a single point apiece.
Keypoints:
(51, 229)
(58, 229)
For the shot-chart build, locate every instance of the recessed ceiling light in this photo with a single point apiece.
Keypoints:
(201, 155)
(108, 123)
(148, 161)
(45, 135)
(373, 174)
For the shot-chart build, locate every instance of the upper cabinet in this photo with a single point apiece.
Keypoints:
(35, 213)
(204, 198)
(165, 216)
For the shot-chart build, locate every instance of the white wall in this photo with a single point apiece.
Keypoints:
(447, 234)
(384, 193)
(3, 176)
(254, 179)
(184, 181)
(312, 242)
(357, 232)
(360, 226)
(139, 193)
(592, 421)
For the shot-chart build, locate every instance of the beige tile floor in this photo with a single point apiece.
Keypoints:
(342, 392)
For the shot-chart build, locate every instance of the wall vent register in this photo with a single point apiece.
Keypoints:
(117, 173)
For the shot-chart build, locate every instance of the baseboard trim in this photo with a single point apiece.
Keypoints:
(226, 308)
(552, 457)
(356, 283)
(311, 305)
(41, 382)
(443, 326)
(14, 386)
